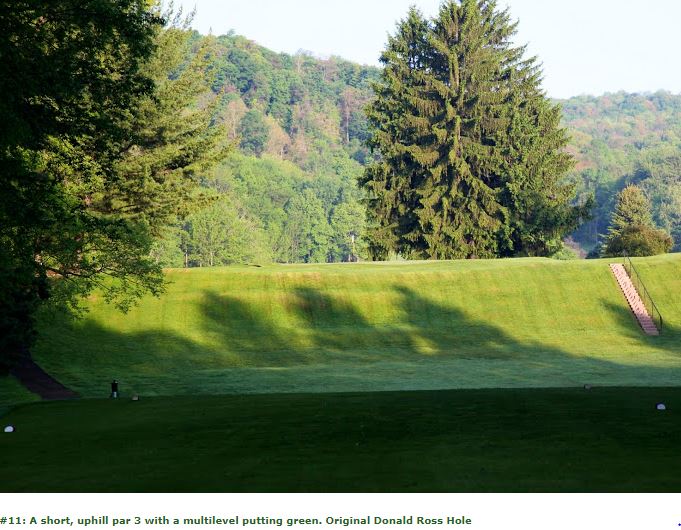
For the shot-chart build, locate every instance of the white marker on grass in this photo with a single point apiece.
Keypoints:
(10, 428)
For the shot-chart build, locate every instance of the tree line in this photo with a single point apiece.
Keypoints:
(282, 110)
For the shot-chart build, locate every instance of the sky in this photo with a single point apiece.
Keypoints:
(585, 46)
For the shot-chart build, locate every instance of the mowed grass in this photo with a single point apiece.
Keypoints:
(522, 440)
(370, 327)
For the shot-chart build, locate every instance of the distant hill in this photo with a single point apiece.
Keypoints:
(309, 104)
(288, 193)
(298, 124)
(623, 138)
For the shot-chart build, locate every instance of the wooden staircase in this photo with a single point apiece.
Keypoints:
(634, 300)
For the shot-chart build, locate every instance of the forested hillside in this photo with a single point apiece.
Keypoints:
(297, 126)
(621, 139)
(288, 191)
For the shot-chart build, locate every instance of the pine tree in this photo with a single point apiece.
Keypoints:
(392, 182)
(633, 208)
(535, 163)
(172, 136)
(471, 152)
(632, 229)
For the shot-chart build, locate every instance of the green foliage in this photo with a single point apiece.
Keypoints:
(472, 160)
(223, 234)
(660, 171)
(347, 232)
(565, 254)
(299, 124)
(631, 227)
(106, 136)
(310, 112)
(166, 250)
(306, 230)
(254, 133)
(639, 240)
(621, 139)
(69, 74)
(633, 208)
(300, 218)
(172, 138)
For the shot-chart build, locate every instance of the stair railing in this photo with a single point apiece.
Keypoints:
(648, 302)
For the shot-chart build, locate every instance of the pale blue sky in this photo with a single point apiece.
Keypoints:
(586, 46)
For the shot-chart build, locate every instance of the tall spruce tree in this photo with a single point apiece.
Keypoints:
(632, 208)
(471, 151)
(397, 123)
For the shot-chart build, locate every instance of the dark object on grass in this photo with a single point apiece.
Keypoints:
(661, 406)
(10, 428)
(114, 389)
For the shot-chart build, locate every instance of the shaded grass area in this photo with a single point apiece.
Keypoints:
(13, 393)
(555, 440)
(360, 327)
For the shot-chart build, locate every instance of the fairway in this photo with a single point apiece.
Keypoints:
(559, 440)
(374, 327)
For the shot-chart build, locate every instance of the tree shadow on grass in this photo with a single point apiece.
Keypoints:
(323, 328)
(312, 340)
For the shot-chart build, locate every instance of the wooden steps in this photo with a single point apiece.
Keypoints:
(634, 300)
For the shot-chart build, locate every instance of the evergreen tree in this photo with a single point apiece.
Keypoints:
(471, 151)
(394, 116)
(632, 208)
(632, 229)
(534, 190)
(172, 139)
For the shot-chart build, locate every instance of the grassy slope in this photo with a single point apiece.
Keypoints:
(512, 323)
(608, 439)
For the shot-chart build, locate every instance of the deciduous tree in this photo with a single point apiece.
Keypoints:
(100, 141)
